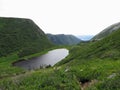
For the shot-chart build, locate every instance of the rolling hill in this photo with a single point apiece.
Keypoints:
(22, 36)
(62, 39)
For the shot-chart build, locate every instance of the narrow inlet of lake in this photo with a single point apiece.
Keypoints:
(50, 58)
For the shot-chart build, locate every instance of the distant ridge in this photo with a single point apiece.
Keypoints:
(107, 31)
(62, 39)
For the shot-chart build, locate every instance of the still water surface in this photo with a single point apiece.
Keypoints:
(51, 58)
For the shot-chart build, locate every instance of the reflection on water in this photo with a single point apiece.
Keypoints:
(51, 58)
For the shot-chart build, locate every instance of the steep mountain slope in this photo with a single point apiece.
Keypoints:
(107, 31)
(62, 39)
(22, 36)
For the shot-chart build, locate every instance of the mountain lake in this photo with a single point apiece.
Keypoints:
(48, 59)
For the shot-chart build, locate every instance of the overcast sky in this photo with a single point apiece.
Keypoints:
(78, 17)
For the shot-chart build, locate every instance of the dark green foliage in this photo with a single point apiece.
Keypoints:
(21, 35)
(62, 39)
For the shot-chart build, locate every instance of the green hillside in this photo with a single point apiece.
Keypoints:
(96, 63)
(22, 36)
(61, 39)
(89, 66)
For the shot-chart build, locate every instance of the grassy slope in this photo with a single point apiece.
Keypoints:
(97, 61)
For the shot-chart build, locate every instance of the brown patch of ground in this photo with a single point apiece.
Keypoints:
(87, 84)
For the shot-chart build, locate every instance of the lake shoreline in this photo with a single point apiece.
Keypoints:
(46, 60)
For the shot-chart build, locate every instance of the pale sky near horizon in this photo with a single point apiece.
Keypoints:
(78, 17)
